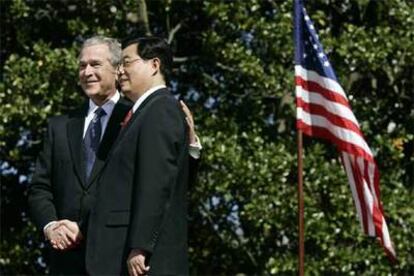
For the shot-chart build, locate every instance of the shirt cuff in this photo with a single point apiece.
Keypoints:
(48, 225)
(195, 148)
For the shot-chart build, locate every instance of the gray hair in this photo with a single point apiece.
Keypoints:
(112, 43)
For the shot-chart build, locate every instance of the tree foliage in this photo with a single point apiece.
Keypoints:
(234, 67)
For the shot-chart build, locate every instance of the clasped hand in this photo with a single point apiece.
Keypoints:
(64, 235)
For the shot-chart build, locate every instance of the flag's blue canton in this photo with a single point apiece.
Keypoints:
(309, 51)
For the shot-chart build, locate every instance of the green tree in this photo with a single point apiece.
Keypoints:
(234, 66)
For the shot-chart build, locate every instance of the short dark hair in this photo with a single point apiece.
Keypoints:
(149, 47)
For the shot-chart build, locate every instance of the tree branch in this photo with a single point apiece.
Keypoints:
(174, 31)
(184, 59)
(210, 78)
(225, 67)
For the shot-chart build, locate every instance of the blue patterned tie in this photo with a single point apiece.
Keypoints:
(92, 139)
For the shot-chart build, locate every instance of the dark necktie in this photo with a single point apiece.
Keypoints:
(92, 139)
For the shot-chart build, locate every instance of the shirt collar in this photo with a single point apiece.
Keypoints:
(108, 106)
(145, 95)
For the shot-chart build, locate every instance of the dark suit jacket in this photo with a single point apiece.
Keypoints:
(59, 189)
(141, 199)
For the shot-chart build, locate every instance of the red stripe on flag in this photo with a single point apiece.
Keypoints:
(376, 186)
(326, 134)
(333, 118)
(315, 87)
(377, 217)
(379, 221)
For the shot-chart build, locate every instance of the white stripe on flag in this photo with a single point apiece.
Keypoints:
(341, 133)
(386, 236)
(348, 169)
(326, 83)
(332, 107)
(369, 204)
(371, 175)
(368, 195)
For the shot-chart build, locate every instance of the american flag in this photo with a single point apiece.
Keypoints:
(323, 111)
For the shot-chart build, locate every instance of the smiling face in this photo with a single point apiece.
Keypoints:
(136, 75)
(96, 73)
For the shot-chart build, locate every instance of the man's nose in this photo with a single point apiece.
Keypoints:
(88, 70)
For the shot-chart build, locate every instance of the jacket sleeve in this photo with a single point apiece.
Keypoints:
(40, 196)
(193, 170)
(162, 146)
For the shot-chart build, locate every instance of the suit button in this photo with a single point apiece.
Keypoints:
(85, 192)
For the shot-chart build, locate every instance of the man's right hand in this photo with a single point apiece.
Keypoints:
(63, 234)
(190, 122)
(136, 263)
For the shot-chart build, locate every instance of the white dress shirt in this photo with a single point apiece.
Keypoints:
(146, 95)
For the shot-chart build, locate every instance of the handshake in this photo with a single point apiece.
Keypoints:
(63, 234)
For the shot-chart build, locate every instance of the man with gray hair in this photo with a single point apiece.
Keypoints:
(75, 147)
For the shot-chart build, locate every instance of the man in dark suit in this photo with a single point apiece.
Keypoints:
(64, 183)
(138, 223)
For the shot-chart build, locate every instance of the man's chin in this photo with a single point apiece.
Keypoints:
(127, 93)
(91, 92)
(124, 88)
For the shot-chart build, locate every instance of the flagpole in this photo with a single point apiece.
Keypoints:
(301, 206)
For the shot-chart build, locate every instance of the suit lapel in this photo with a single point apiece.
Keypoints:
(134, 117)
(75, 133)
(111, 133)
(136, 113)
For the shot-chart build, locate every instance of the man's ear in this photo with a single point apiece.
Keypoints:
(155, 65)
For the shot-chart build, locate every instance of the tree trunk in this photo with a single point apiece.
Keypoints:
(143, 16)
